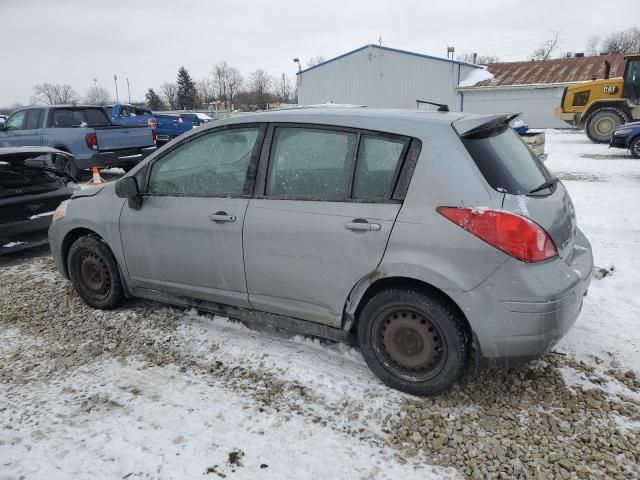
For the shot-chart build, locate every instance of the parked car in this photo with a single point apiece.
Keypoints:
(83, 131)
(167, 127)
(30, 190)
(3, 118)
(426, 235)
(197, 118)
(627, 136)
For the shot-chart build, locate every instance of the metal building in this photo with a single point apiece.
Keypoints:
(383, 77)
(534, 88)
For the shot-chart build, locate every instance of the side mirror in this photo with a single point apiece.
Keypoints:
(127, 187)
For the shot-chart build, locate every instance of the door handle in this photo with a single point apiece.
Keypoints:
(222, 217)
(361, 224)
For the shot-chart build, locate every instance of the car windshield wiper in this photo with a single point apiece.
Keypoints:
(547, 184)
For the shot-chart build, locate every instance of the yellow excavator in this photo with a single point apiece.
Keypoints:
(599, 106)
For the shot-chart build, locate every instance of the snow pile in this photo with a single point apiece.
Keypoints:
(477, 75)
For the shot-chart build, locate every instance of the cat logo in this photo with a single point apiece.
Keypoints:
(610, 89)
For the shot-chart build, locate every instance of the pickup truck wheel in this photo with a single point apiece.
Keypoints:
(94, 273)
(413, 341)
(601, 124)
(67, 165)
(634, 148)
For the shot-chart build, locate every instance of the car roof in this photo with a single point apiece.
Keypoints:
(399, 121)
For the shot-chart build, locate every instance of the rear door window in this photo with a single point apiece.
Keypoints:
(507, 164)
(310, 164)
(377, 162)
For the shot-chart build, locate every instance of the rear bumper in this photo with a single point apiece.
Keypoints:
(523, 310)
(115, 158)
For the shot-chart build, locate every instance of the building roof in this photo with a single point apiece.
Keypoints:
(561, 70)
(389, 49)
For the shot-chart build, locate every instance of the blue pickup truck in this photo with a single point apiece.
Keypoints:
(167, 127)
(85, 131)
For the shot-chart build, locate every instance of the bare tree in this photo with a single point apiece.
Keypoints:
(284, 89)
(316, 60)
(478, 59)
(98, 96)
(169, 92)
(234, 85)
(260, 83)
(625, 41)
(206, 91)
(544, 51)
(220, 80)
(53, 94)
(591, 48)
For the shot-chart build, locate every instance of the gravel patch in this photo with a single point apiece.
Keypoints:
(527, 422)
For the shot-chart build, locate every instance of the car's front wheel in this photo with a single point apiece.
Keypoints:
(94, 273)
(413, 340)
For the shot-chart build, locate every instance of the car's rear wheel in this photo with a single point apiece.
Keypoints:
(634, 148)
(94, 273)
(601, 124)
(413, 341)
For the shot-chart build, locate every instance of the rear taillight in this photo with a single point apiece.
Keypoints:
(92, 141)
(153, 123)
(513, 234)
(154, 136)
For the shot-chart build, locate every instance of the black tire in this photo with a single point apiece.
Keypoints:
(634, 147)
(67, 165)
(601, 123)
(413, 341)
(94, 273)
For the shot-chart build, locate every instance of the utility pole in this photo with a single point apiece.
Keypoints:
(95, 84)
(128, 89)
(115, 81)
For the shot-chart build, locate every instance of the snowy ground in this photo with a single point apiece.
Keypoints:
(155, 392)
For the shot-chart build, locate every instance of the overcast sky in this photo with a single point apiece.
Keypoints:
(67, 41)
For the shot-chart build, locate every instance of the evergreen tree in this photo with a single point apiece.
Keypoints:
(153, 100)
(187, 93)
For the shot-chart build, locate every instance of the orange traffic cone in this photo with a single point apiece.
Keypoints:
(95, 176)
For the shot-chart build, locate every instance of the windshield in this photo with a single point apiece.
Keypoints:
(507, 164)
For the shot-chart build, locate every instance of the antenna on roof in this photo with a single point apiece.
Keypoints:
(450, 50)
(442, 107)
(380, 40)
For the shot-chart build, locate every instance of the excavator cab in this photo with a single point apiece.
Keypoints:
(631, 87)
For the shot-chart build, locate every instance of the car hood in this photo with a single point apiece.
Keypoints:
(34, 157)
(88, 190)
(628, 125)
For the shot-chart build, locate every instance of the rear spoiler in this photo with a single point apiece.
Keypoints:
(466, 126)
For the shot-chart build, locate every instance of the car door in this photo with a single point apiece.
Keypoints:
(13, 130)
(314, 228)
(32, 133)
(186, 238)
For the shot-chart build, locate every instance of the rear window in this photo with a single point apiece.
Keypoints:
(507, 164)
(79, 117)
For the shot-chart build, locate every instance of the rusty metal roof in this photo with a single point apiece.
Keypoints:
(562, 70)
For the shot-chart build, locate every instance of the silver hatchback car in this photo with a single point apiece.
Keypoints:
(426, 236)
